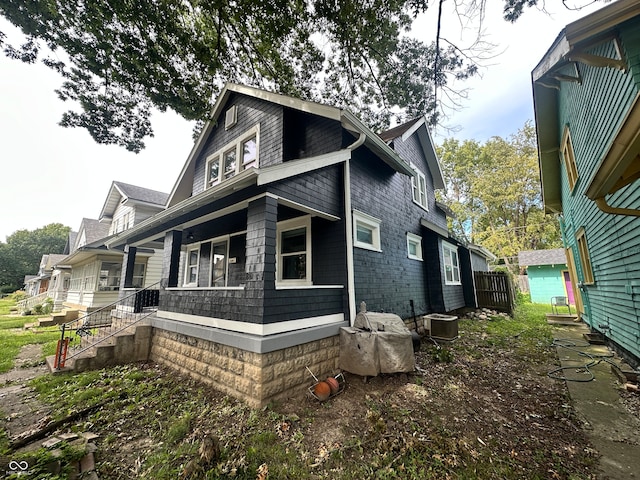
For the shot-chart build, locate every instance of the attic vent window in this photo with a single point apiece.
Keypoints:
(231, 118)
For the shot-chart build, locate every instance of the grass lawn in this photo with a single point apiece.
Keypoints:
(484, 410)
(13, 336)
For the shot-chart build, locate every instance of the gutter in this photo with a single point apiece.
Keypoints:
(351, 282)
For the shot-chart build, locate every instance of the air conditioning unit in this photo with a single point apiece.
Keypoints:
(441, 327)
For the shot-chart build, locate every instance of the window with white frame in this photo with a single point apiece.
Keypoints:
(419, 188)
(233, 158)
(110, 273)
(414, 246)
(451, 264)
(294, 251)
(137, 281)
(191, 272)
(366, 231)
(219, 264)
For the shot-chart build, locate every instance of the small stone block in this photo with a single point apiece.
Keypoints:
(51, 442)
(88, 436)
(91, 447)
(87, 463)
(632, 387)
(68, 436)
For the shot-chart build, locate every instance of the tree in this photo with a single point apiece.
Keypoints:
(22, 252)
(494, 189)
(119, 59)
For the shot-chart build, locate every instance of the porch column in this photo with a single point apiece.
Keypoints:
(171, 258)
(262, 216)
(128, 262)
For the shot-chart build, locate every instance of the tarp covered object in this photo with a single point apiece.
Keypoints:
(377, 343)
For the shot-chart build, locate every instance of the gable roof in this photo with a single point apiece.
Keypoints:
(545, 98)
(418, 126)
(127, 194)
(91, 230)
(529, 258)
(183, 186)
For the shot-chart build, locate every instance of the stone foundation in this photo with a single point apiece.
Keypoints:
(256, 378)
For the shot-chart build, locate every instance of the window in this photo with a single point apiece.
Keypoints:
(451, 265)
(110, 273)
(569, 159)
(191, 272)
(219, 264)
(585, 259)
(414, 246)
(137, 280)
(419, 188)
(294, 251)
(233, 158)
(366, 231)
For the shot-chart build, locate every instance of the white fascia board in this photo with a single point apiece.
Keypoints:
(602, 20)
(375, 143)
(414, 128)
(239, 181)
(300, 166)
(556, 54)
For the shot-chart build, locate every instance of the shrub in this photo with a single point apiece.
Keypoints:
(19, 295)
(26, 311)
(37, 309)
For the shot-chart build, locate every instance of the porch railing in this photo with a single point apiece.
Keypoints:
(29, 303)
(101, 325)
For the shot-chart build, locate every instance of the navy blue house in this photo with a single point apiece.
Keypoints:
(286, 215)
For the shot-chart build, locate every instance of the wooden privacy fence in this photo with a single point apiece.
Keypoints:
(494, 290)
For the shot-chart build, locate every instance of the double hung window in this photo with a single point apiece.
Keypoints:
(451, 264)
(294, 251)
(233, 158)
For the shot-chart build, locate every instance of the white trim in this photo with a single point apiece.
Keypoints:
(452, 248)
(419, 184)
(413, 238)
(285, 226)
(204, 288)
(236, 146)
(351, 282)
(307, 287)
(253, 328)
(373, 224)
(296, 167)
(193, 247)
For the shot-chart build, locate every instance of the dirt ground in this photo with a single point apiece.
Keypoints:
(472, 406)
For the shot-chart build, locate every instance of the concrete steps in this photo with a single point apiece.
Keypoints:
(58, 318)
(130, 345)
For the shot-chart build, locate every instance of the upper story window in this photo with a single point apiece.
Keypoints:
(451, 264)
(419, 188)
(585, 258)
(569, 158)
(233, 158)
(294, 251)
(366, 231)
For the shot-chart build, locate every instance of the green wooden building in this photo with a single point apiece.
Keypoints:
(547, 274)
(587, 104)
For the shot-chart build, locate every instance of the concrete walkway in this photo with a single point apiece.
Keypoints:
(612, 429)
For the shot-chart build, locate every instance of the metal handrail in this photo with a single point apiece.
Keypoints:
(102, 324)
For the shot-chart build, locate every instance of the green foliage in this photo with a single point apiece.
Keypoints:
(120, 59)
(494, 190)
(23, 251)
(19, 295)
(13, 337)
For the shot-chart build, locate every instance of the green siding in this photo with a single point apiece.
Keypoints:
(594, 111)
(546, 281)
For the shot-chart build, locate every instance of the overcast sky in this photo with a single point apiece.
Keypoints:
(54, 174)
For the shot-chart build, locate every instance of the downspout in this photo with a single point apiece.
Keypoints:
(606, 208)
(351, 283)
